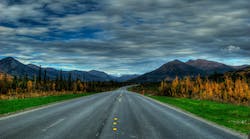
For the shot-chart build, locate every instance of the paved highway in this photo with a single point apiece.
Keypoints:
(118, 114)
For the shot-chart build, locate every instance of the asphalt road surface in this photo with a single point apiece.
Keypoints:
(111, 115)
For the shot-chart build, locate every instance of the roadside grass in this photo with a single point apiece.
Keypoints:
(232, 116)
(13, 105)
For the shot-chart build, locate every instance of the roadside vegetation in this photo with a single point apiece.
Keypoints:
(224, 89)
(224, 99)
(25, 87)
(229, 115)
(19, 93)
(13, 105)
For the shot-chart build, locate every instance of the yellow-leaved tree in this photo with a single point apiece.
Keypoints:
(175, 86)
(29, 86)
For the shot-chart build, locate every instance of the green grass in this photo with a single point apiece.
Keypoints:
(7, 106)
(229, 115)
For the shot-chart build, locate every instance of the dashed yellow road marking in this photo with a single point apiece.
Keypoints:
(114, 129)
(115, 123)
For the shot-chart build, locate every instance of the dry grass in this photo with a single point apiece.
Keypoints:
(15, 95)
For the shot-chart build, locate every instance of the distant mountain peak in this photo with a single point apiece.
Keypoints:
(175, 61)
(9, 59)
(203, 61)
(96, 71)
(210, 66)
(33, 66)
(169, 71)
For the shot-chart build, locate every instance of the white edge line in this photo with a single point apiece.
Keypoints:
(36, 108)
(28, 111)
(228, 130)
(53, 124)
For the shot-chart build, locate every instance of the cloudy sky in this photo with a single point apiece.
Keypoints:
(124, 36)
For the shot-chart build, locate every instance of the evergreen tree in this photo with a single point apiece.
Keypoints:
(69, 81)
(24, 82)
(45, 77)
(40, 75)
(15, 82)
(57, 83)
(61, 81)
(35, 82)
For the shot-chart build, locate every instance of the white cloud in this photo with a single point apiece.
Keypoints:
(83, 20)
(31, 31)
(204, 31)
(8, 31)
(232, 48)
(14, 12)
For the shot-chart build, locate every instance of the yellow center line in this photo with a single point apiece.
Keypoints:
(114, 129)
(115, 123)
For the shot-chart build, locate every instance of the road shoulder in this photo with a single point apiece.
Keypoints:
(225, 129)
(36, 108)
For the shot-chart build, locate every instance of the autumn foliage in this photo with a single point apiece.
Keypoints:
(23, 87)
(228, 90)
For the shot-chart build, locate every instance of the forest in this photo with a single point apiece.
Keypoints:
(226, 88)
(24, 87)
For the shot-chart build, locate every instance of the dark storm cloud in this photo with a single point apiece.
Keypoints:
(124, 36)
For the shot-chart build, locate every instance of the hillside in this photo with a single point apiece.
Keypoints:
(169, 71)
(13, 67)
(210, 67)
(191, 68)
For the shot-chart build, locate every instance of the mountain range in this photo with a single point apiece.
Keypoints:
(167, 71)
(191, 68)
(13, 67)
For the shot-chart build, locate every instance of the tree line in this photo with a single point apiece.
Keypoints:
(225, 90)
(42, 85)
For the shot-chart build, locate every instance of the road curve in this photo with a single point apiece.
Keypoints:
(117, 114)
